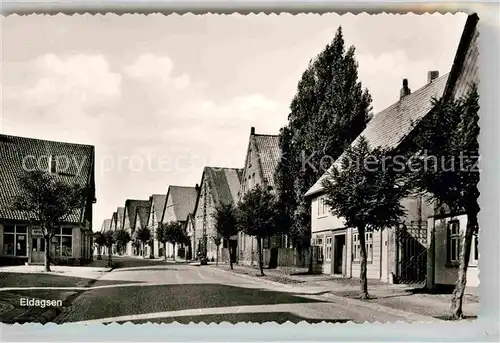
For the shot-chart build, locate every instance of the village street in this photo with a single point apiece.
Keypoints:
(153, 290)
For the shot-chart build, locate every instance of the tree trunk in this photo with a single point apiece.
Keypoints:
(165, 250)
(458, 293)
(259, 252)
(174, 251)
(99, 256)
(362, 277)
(217, 256)
(109, 255)
(143, 250)
(151, 251)
(230, 245)
(47, 253)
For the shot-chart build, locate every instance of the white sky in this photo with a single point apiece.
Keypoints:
(160, 97)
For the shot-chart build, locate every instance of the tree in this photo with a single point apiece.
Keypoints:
(366, 190)
(176, 234)
(217, 239)
(109, 240)
(257, 217)
(162, 237)
(226, 225)
(49, 202)
(445, 167)
(122, 237)
(329, 110)
(99, 241)
(143, 234)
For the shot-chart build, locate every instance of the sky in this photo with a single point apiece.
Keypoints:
(160, 97)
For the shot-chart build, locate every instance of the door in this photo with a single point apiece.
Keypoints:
(37, 250)
(339, 254)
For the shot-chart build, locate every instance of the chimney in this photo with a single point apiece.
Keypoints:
(432, 75)
(197, 187)
(405, 90)
(252, 130)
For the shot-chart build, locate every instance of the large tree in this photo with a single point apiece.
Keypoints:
(257, 217)
(143, 234)
(329, 110)
(99, 241)
(162, 237)
(226, 225)
(49, 202)
(176, 234)
(109, 240)
(122, 237)
(365, 189)
(445, 167)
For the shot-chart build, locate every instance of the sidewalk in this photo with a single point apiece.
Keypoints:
(400, 297)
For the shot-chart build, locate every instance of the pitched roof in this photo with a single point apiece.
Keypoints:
(106, 225)
(114, 218)
(224, 183)
(143, 208)
(131, 206)
(183, 199)
(19, 153)
(159, 204)
(389, 127)
(120, 217)
(269, 154)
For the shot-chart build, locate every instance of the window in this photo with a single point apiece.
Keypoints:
(453, 241)
(62, 242)
(15, 240)
(328, 250)
(318, 241)
(322, 207)
(356, 251)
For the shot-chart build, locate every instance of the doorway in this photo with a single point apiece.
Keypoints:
(339, 247)
(37, 250)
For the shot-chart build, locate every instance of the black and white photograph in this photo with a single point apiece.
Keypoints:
(239, 168)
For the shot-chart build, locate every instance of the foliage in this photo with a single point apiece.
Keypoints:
(143, 234)
(175, 233)
(225, 220)
(446, 167)
(366, 190)
(161, 233)
(109, 238)
(122, 237)
(329, 110)
(217, 239)
(99, 239)
(48, 200)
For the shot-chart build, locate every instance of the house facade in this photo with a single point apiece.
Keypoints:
(262, 158)
(154, 219)
(179, 203)
(218, 186)
(129, 221)
(388, 255)
(141, 222)
(21, 238)
(446, 229)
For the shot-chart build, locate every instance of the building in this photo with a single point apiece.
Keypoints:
(129, 220)
(191, 233)
(180, 202)
(114, 220)
(339, 244)
(141, 222)
(154, 219)
(218, 186)
(106, 225)
(403, 254)
(21, 239)
(262, 158)
(445, 230)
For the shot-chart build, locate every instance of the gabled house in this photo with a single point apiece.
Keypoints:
(180, 202)
(191, 233)
(262, 158)
(106, 225)
(120, 218)
(114, 220)
(339, 244)
(218, 186)
(141, 222)
(445, 228)
(20, 238)
(154, 219)
(129, 219)
(400, 254)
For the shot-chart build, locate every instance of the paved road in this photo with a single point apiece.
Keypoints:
(142, 290)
